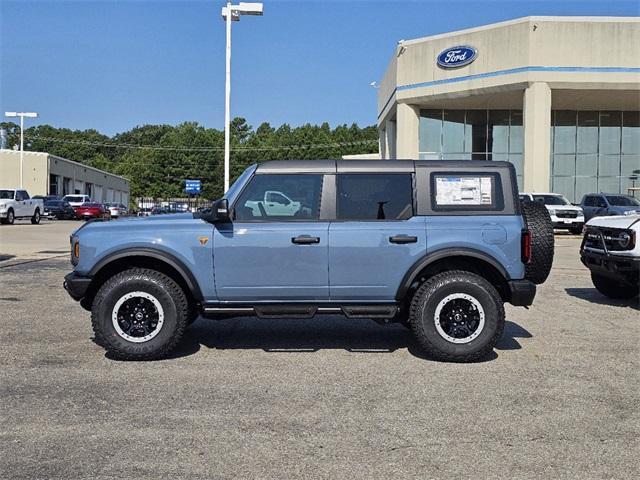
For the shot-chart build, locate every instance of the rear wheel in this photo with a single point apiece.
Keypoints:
(139, 314)
(611, 288)
(457, 316)
(35, 220)
(538, 222)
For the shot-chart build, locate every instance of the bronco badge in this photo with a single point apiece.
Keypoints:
(203, 240)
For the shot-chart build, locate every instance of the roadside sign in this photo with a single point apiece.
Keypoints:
(192, 187)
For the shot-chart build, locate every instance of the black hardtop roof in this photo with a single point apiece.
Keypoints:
(374, 166)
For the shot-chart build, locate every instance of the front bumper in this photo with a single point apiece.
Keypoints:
(609, 265)
(561, 222)
(76, 285)
(522, 292)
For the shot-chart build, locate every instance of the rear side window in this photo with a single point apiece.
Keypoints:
(466, 191)
(280, 197)
(374, 196)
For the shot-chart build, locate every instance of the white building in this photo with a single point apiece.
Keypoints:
(559, 97)
(46, 174)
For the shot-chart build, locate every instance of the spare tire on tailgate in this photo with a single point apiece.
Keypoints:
(538, 222)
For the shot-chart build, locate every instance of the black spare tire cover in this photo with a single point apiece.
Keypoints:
(538, 222)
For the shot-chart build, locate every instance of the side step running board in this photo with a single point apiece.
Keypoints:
(302, 311)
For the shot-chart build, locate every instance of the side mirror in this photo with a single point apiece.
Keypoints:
(219, 212)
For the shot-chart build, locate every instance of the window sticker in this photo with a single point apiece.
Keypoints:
(464, 190)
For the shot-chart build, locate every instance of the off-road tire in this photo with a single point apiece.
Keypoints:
(609, 287)
(194, 313)
(538, 222)
(35, 220)
(423, 308)
(10, 218)
(171, 297)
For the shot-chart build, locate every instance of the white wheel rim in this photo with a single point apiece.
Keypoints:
(139, 295)
(439, 322)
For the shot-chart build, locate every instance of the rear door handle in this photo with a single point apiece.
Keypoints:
(305, 240)
(401, 239)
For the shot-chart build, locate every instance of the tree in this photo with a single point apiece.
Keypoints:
(158, 158)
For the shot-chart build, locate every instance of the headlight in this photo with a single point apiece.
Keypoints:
(624, 239)
(630, 212)
(552, 211)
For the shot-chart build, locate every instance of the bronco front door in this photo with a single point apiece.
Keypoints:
(268, 254)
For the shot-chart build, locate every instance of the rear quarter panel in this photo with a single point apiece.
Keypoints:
(498, 236)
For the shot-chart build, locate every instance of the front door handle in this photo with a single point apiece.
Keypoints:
(402, 239)
(305, 240)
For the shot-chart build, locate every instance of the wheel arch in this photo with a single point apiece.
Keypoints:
(467, 259)
(146, 258)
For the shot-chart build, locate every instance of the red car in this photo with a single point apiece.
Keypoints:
(87, 211)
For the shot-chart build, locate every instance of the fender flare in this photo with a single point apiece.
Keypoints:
(430, 258)
(156, 254)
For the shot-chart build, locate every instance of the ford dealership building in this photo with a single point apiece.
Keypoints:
(559, 97)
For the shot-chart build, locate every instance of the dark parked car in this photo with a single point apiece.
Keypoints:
(47, 198)
(92, 210)
(606, 204)
(59, 210)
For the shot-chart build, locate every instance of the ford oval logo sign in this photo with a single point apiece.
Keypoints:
(455, 57)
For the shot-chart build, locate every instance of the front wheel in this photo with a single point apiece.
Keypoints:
(10, 218)
(139, 314)
(457, 316)
(611, 288)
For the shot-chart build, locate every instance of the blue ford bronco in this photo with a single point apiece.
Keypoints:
(438, 246)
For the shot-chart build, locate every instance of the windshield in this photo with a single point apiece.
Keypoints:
(240, 181)
(551, 199)
(622, 201)
(6, 194)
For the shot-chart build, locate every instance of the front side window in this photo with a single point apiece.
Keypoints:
(622, 201)
(374, 196)
(280, 197)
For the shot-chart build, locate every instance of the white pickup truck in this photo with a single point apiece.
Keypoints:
(16, 203)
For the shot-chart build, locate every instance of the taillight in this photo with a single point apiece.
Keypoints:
(76, 249)
(525, 243)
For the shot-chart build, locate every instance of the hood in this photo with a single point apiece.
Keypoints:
(571, 208)
(134, 222)
(166, 216)
(615, 221)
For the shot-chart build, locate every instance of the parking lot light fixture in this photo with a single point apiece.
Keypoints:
(22, 116)
(231, 13)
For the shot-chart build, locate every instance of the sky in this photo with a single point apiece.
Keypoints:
(115, 64)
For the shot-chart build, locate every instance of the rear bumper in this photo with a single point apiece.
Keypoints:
(76, 285)
(522, 292)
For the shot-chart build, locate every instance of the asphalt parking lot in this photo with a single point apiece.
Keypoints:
(321, 398)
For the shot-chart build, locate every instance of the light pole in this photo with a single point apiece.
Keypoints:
(231, 13)
(21, 115)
